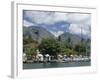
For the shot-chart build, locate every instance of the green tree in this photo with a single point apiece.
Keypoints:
(80, 48)
(30, 52)
(50, 46)
(28, 40)
(68, 43)
(88, 47)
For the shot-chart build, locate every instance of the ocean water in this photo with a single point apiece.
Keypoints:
(55, 65)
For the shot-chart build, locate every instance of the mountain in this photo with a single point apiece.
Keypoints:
(60, 26)
(74, 39)
(36, 33)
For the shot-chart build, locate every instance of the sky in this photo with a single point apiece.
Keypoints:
(59, 22)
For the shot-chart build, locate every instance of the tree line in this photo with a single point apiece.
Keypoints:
(55, 47)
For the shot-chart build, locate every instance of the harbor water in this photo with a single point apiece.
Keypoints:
(55, 65)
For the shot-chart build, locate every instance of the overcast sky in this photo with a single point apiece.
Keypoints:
(58, 22)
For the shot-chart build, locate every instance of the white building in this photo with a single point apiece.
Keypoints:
(47, 57)
(24, 57)
(39, 56)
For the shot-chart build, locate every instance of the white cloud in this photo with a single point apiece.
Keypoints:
(74, 28)
(79, 29)
(78, 18)
(56, 34)
(27, 24)
(40, 17)
(59, 17)
(77, 21)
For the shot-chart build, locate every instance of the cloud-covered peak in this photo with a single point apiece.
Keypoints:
(27, 23)
(58, 33)
(59, 22)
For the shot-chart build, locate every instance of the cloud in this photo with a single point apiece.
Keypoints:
(43, 17)
(27, 23)
(58, 16)
(74, 28)
(77, 21)
(56, 34)
(80, 23)
(38, 17)
(80, 29)
(78, 18)
(47, 17)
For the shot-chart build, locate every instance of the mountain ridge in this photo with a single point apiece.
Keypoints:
(37, 33)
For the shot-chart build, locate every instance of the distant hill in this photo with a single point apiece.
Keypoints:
(36, 33)
(74, 39)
